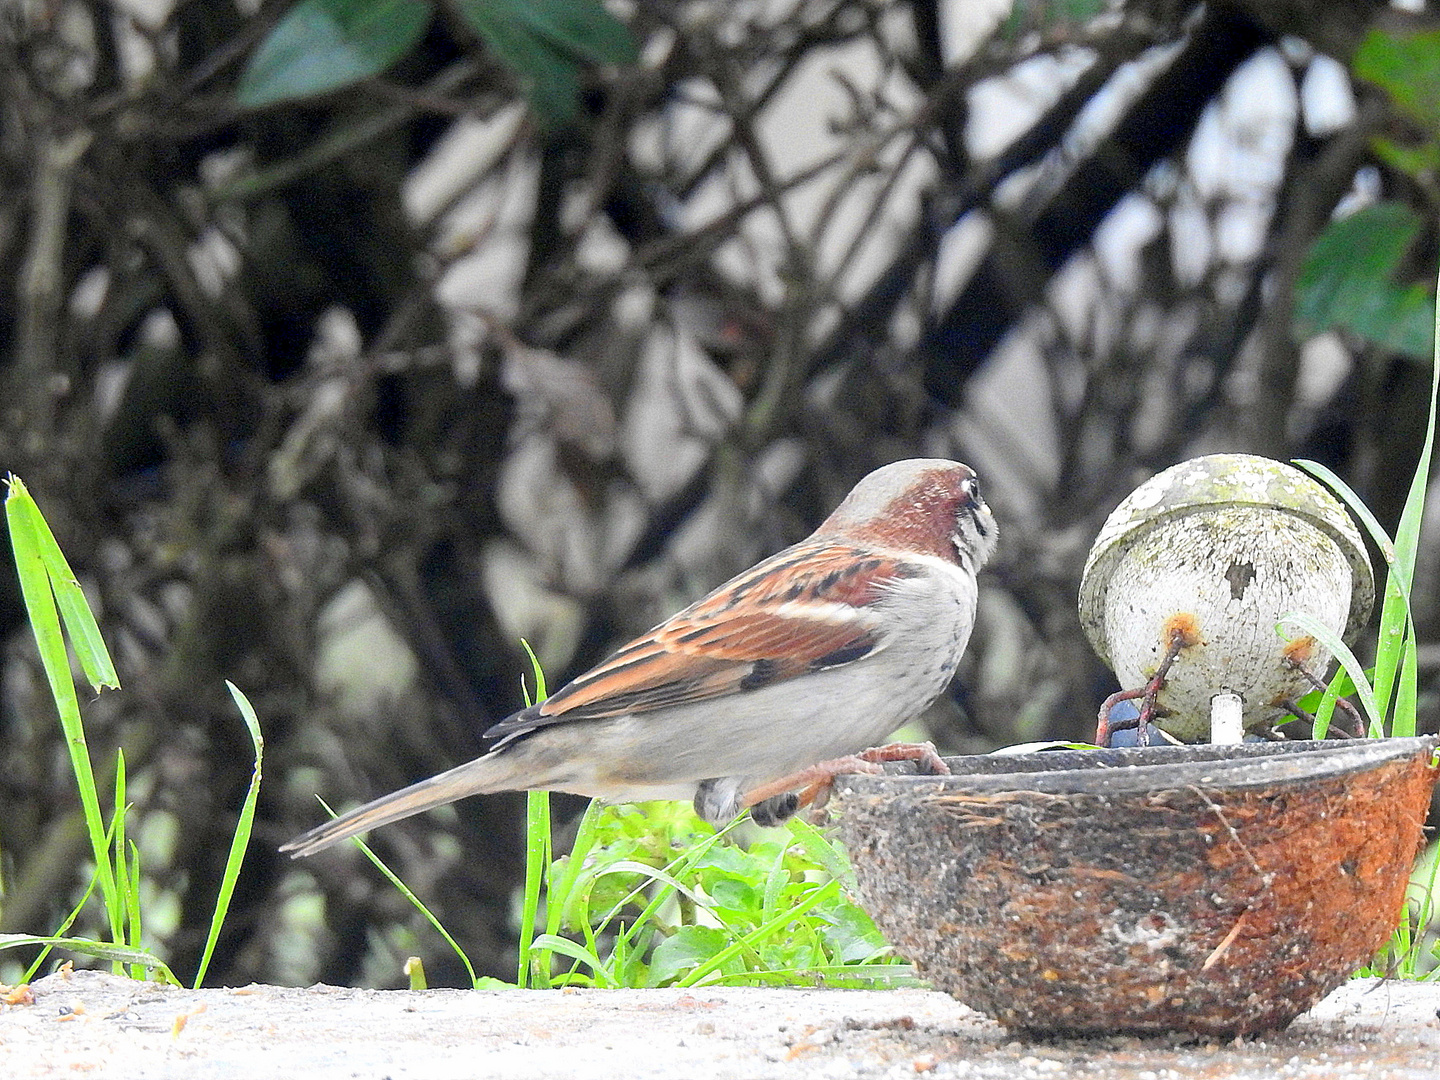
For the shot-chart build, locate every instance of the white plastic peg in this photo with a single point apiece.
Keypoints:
(1227, 712)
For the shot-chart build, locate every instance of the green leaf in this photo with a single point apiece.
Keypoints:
(1422, 159)
(1407, 67)
(582, 27)
(728, 860)
(323, 45)
(1050, 17)
(730, 894)
(75, 612)
(851, 935)
(545, 42)
(550, 77)
(683, 950)
(1347, 281)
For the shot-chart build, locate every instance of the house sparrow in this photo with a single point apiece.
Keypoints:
(816, 652)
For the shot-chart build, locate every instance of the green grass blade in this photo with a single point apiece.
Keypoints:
(1426, 881)
(394, 879)
(1401, 955)
(123, 885)
(672, 870)
(1395, 659)
(538, 852)
(821, 849)
(116, 954)
(541, 691)
(624, 945)
(760, 933)
(566, 947)
(1395, 617)
(80, 624)
(24, 521)
(776, 878)
(132, 895)
(835, 976)
(1407, 692)
(1357, 507)
(65, 923)
(127, 887)
(415, 971)
(1320, 632)
(650, 873)
(537, 861)
(244, 825)
(1407, 545)
(563, 894)
(1325, 712)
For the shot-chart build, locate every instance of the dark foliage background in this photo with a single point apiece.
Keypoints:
(338, 398)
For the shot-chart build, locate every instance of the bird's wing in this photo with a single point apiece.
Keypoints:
(806, 608)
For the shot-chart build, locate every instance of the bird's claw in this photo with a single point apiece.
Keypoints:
(773, 803)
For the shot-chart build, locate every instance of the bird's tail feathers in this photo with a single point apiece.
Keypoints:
(493, 772)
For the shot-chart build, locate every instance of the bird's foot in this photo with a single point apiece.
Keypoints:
(775, 810)
(772, 803)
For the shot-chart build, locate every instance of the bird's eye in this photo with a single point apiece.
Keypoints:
(970, 488)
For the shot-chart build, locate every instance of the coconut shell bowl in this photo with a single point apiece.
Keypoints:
(1208, 890)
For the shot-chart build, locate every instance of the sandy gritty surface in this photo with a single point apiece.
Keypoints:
(92, 1024)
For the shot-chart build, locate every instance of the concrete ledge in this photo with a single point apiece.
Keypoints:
(94, 1024)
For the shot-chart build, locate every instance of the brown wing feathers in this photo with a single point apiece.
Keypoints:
(773, 628)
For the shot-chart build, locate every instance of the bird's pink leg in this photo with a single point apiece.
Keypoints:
(815, 782)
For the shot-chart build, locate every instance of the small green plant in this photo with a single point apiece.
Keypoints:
(650, 895)
(1389, 691)
(57, 609)
(53, 599)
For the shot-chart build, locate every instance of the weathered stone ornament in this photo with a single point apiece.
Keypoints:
(1191, 573)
